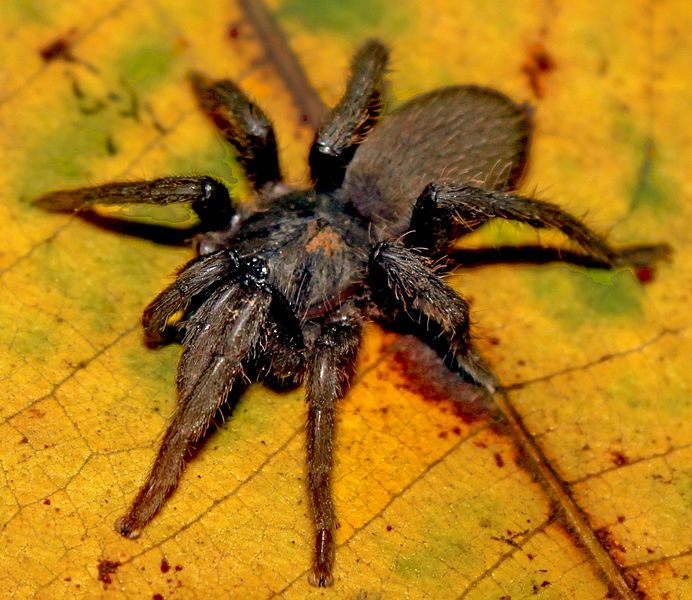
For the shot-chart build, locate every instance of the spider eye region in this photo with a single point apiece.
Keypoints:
(328, 149)
(258, 269)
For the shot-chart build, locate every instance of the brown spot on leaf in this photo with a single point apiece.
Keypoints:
(426, 375)
(58, 49)
(165, 566)
(106, 568)
(644, 274)
(618, 458)
(610, 544)
(499, 461)
(234, 31)
(36, 413)
(536, 66)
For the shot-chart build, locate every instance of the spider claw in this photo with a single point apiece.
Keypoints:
(60, 201)
(320, 578)
(472, 367)
(321, 575)
(645, 255)
(127, 529)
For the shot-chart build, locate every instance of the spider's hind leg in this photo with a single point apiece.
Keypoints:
(408, 281)
(444, 212)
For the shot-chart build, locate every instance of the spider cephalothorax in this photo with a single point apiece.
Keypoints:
(279, 293)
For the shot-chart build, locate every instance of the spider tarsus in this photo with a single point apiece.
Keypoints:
(645, 255)
(127, 529)
(53, 202)
(321, 575)
(473, 367)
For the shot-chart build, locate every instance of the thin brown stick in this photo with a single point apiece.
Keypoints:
(573, 516)
(279, 53)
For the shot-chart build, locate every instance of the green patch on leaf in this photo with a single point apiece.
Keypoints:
(32, 11)
(638, 398)
(34, 341)
(361, 17)
(647, 187)
(215, 159)
(154, 368)
(651, 189)
(65, 152)
(575, 297)
(147, 64)
(609, 293)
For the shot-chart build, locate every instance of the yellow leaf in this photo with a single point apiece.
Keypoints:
(580, 490)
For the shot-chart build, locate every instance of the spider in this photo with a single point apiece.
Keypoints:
(279, 292)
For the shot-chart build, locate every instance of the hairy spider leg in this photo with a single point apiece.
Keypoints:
(208, 198)
(221, 334)
(328, 376)
(195, 282)
(347, 124)
(244, 126)
(445, 212)
(410, 281)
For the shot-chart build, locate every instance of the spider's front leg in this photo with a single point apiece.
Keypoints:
(328, 376)
(220, 336)
(409, 281)
(351, 119)
(245, 127)
(207, 197)
(444, 212)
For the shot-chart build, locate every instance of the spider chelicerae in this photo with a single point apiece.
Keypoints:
(279, 291)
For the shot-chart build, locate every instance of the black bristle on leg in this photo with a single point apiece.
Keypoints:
(195, 282)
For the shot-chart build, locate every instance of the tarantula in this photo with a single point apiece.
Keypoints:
(279, 292)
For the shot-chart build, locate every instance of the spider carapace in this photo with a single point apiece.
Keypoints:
(279, 292)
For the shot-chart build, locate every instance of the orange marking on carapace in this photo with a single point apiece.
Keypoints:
(327, 240)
